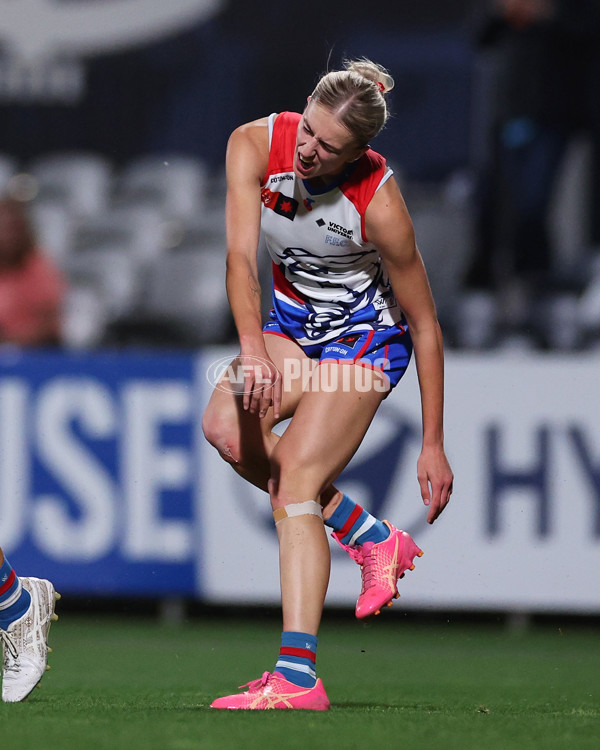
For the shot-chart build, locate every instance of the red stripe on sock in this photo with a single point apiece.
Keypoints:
(304, 653)
(350, 522)
(9, 582)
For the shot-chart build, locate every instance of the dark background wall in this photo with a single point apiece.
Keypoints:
(185, 94)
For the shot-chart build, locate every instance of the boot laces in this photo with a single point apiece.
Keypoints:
(365, 558)
(256, 684)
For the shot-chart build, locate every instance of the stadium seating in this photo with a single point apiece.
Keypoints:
(112, 272)
(187, 287)
(143, 248)
(54, 228)
(173, 184)
(79, 180)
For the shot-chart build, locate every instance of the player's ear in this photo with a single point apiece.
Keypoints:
(359, 152)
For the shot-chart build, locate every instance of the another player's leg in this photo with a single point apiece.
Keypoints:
(26, 612)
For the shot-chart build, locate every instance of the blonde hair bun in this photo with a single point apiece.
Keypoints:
(373, 72)
(356, 95)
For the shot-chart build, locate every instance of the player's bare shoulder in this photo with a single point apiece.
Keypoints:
(387, 219)
(248, 147)
(256, 130)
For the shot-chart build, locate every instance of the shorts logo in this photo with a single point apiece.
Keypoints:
(281, 204)
(349, 340)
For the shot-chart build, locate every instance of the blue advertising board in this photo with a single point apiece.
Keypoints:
(108, 487)
(99, 470)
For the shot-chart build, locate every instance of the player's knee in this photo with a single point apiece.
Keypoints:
(221, 435)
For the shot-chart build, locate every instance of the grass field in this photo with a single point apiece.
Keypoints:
(124, 684)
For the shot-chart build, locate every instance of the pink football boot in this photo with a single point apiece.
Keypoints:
(381, 566)
(274, 691)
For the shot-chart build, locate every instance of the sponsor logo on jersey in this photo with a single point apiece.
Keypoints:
(384, 301)
(331, 239)
(339, 229)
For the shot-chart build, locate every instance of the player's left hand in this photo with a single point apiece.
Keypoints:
(435, 479)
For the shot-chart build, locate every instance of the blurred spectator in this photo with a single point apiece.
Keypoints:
(31, 288)
(549, 90)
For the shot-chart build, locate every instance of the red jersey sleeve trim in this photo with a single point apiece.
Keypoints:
(363, 183)
(283, 143)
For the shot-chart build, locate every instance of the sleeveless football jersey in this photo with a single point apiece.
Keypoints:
(328, 279)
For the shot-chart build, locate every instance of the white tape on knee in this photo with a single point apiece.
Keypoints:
(309, 508)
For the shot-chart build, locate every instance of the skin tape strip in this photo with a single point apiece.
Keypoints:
(309, 508)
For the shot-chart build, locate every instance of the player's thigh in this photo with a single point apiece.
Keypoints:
(330, 422)
(234, 431)
(295, 367)
(225, 420)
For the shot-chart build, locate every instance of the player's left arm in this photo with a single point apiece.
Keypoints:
(389, 227)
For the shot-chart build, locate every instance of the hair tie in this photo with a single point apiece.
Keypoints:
(381, 87)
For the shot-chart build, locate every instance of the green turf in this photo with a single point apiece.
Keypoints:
(128, 684)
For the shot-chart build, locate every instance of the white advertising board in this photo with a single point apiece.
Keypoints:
(523, 529)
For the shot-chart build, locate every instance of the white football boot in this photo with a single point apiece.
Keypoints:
(25, 642)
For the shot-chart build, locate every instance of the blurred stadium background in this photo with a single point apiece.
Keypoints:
(114, 118)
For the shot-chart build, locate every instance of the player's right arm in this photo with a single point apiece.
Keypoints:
(246, 164)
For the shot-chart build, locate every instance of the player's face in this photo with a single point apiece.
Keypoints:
(324, 146)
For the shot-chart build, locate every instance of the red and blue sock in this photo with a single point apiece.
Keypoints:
(14, 599)
(353, 525)
(297, 658)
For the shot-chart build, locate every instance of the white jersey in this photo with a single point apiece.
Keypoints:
(328, 279)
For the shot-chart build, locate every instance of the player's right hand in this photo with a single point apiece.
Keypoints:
(262, 387)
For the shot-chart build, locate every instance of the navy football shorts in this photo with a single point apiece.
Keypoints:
(387, 350)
